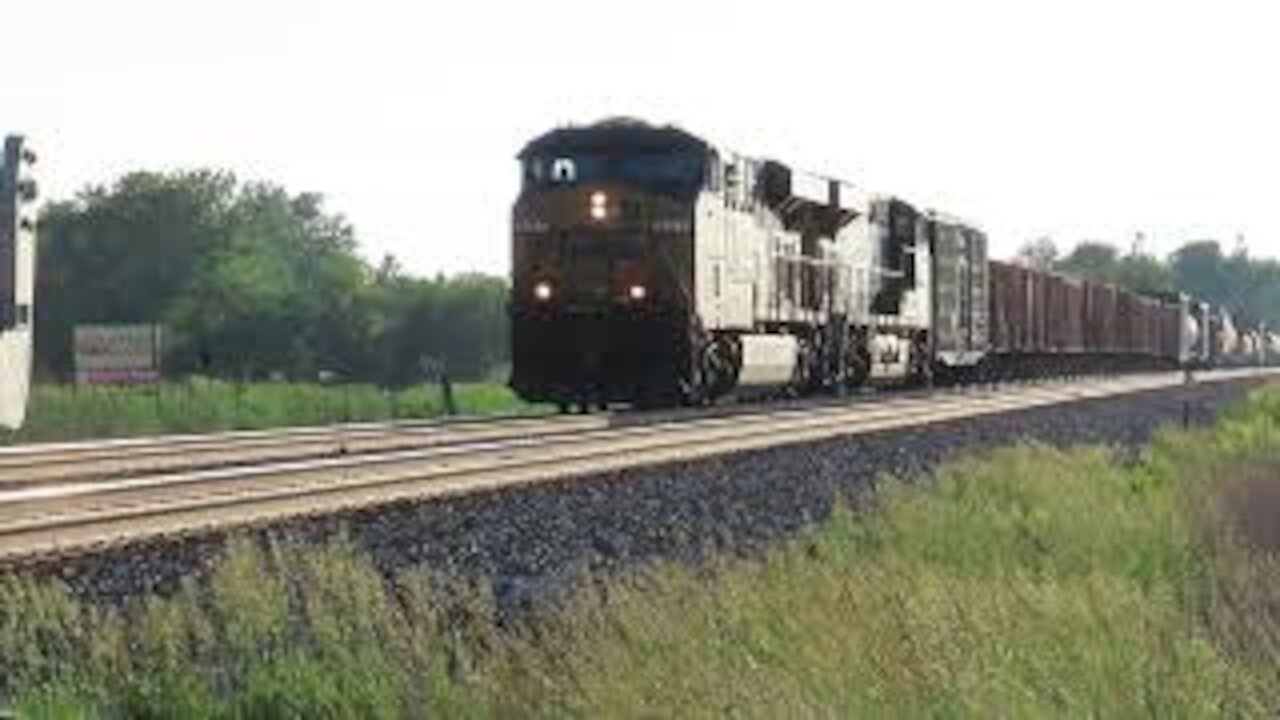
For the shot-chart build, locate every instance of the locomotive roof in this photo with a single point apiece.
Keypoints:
(614, 135)
(949, 219)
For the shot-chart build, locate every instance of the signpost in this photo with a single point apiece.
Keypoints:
(117, 354)
(435, 368)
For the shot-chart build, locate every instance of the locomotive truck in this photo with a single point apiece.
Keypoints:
(652, 267)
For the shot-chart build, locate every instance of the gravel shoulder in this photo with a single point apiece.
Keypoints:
(530, 542)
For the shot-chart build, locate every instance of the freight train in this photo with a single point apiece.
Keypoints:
(18, 195)
(652, 267)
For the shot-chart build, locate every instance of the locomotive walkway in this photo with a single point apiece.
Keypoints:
(65, 499)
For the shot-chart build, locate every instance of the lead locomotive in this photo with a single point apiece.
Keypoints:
(652, 267)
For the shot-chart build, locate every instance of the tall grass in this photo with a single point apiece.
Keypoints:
(59, 412)
(1026, 581)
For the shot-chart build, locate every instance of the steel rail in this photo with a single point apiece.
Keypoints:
(44, 463)
(41, 464)
(79, 517)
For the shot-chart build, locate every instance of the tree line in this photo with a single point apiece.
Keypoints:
(249, 282)
(1248, 287)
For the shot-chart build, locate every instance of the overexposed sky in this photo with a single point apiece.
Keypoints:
(1071, 119)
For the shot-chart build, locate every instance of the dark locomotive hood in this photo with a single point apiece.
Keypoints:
(612, 136)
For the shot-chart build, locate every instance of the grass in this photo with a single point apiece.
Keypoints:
(1022, 582)
(59, 412)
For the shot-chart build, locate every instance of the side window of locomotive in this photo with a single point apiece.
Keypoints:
(534, 172)
(914, 231)
(714, 171)
(731, 184)
(564, 170)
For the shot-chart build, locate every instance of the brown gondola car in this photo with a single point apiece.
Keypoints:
(1035, 312)
(1047, 322)
(1008, 307)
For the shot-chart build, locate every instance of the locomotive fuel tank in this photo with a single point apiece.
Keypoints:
(769, 361)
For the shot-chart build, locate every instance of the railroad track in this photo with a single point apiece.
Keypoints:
(77, 498)
(41, 463)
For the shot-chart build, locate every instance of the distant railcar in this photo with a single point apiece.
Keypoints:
(650, 266)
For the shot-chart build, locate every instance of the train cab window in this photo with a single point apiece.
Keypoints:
(732, 183)
(534, 171)
(564, 170)
(672, 173)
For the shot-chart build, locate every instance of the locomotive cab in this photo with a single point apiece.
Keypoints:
(602, 249)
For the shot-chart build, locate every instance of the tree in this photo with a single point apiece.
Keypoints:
(125, 253)
(250, 281)
(461, 321)
(1144, 274)
(1198, 269)
(1093, 260)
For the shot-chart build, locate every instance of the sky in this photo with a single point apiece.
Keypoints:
(1072, 120)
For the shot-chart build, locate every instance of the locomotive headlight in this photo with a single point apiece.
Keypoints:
(542, 291)
(599, 206)
(638, 292)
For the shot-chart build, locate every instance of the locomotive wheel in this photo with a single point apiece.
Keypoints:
(857, 366)
(718, 367)
(804, 378)
(920, 373)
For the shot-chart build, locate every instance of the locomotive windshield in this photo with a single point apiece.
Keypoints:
(668, 173)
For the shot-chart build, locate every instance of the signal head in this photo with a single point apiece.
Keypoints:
(18, 194)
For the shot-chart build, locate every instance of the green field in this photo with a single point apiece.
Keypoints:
(62, 412)
(1023, 582)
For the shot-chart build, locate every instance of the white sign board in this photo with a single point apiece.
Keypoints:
(117, 354)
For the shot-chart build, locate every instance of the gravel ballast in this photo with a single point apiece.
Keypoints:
(529, 541)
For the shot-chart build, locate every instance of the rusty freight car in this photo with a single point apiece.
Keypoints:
(1047, 323)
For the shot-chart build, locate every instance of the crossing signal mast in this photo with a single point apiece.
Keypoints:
(19, 193)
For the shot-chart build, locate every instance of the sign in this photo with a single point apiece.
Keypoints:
(117, 354)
